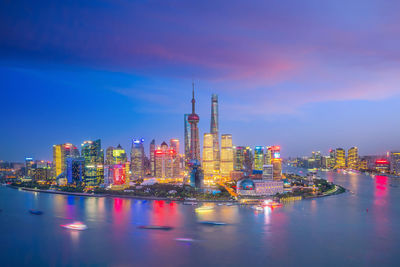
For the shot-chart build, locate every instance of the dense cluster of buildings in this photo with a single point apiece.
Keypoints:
(219, 160)
(339, 159)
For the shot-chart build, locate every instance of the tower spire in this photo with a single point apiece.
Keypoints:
(193, 100)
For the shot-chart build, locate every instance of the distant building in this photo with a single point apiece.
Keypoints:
(152, 158)
(248, 161)
(167, 162)
(194, 132)
(238, 158)
(352, 158)
(268, 172)
(226, 155)
(187, 136)
(258, 158)
(382, 165)
(94, 162)
(137, 159)
(395, 162)
(214, 130)
(276, 162)
(196, 174)
(75, 170)
(208, 156)
(60, 154)
(249, 187)
(340, 158)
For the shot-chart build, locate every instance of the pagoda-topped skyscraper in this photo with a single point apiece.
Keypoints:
(194, 131)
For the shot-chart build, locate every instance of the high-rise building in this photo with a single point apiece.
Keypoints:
(187, 136)
(208, 156)
(194, 132)
(152, 159)
(214, 130)
(60, 154)
(352, 158)
(94, 162)
(75, 170)
(332, 159)
(268, 172)
(238, 158)
(226, 165)
(340, 158)
(248, 161)
(167, 162)
(29, 167)
(395, 162)
(174, 144)
(267, 156)
(137, 159)
(276, 162)
(258, 158)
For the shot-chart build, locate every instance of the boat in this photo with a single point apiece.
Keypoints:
(204, 209)
(229, 204)
(189, 203)
(36, 212)
(258, 208)
(270, 203)
(212, 223)
(155, 227)
(75, 226)
(183, 239)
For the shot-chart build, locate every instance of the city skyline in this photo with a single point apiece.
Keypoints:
(324, 80)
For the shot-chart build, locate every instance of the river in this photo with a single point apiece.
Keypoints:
(361, 227)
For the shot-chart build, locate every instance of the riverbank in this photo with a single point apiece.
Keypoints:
(337, 190)
(120, 196)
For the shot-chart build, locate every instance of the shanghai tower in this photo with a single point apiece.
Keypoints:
(194, 131)
(214, 131)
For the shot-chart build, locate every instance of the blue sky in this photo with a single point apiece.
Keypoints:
(307, 75)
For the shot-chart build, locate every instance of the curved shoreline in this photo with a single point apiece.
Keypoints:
(118, 196)
(338, 187)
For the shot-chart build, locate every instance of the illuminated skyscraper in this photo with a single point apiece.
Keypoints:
(137, 159)
(60, 154)
(94, 162)
(352, 158)
(258, 158)
(340, 158)
(226, 155)
(167, 162)
(248, 161)
(395, 162)
(75, 170)
(187, 136)
(152, 159)
(276, 162)
(194, 131)
(208, 156)
(214, 130)
(267, 156)
(174, 144)
(238, 158)
(29, 167)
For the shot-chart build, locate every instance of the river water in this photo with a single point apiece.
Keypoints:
(361, 227)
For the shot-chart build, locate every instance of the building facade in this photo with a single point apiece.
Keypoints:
(94, 162)
(60, 154)
(214, 130)
(208, 156)
(352, 158)
(137, 159)
(258, 158)
(226, 165)
(340, 158)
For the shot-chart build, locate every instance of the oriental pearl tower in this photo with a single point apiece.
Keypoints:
(194, 131)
